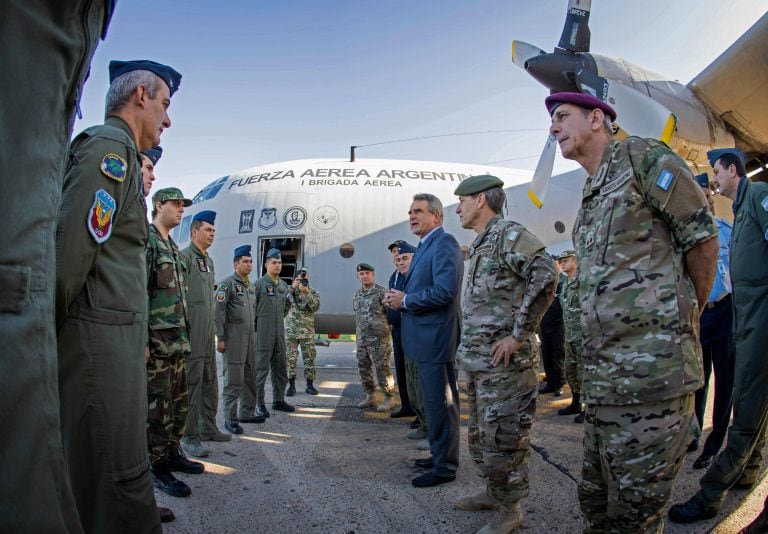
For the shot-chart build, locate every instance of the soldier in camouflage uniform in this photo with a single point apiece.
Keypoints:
(300, 332)
(373, 342)
(510, 283)
(569, 302)
(168, 345)
(646, 248)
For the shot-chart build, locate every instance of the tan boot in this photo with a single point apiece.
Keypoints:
(385, 405)
(367, 401)
(479, 501)
(508, 518)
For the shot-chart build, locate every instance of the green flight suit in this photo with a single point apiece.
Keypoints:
(101, 314)
(234, 319)
(202, 381)
(272, 305)
(740, 460)
(46, 48)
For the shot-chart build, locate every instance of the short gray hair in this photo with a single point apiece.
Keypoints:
(434, 206)
(495, 198)
(121, 89)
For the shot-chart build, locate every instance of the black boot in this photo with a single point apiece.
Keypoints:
(310, 388)
(291, 391)
(163, 479)
(573, 408)
(178, 462)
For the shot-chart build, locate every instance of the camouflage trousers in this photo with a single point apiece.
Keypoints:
(632, 455)
(501, 409)
(378, 355)
(167, 408)
(308, 355)
(573, 365)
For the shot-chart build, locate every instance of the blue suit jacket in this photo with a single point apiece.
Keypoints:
(430, 326)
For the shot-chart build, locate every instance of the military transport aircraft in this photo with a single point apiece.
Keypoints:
(724, 106)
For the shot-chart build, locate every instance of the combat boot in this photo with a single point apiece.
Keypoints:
(291, 391)
(282, 406)
(163, 479)
(261, 409)
(310, 388)
(479, 501)
(385, 405)
(178, 462)
(193, 447)
(367, 401)
(508, 518)
(573, 408)
(216, 435)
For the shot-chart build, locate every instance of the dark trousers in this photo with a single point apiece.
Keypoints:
(441, 407)
(718, 354)
(553, 354)
(402, 381)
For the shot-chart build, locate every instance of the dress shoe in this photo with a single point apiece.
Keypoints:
(427, 480)
(579, 418)
(705, 460)
(194, 447)
(310, 389)
(416, 433)
(402, 413)
(554, 388)
(693, 445)
(216, 435)
(424, 463)
(691, 511)
(176, 461)
(282, 406)
(256, 418)
(508, 518)
(233, 427)
(423, 445)
(474, 503)
(558, 392)
(571, 409)
(415, 423)
(261, 409)
(385, 405)
(166, 514)
(163, 479)
(367, 401)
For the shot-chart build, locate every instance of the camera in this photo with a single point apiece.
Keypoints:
(303, 275)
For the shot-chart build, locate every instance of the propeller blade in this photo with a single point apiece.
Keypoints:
(640, 115)
(576, 34)
(543, 173)
(522, 52)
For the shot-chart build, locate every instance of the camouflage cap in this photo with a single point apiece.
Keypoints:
(477, 184)
(170, 193)
(365, 267)
(566, 254)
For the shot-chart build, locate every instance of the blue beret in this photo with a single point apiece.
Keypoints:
(716, 154)
(405, 248)
(578, 99)
(273, 254)
(153, 154)
(171, 78)
(206, 216)
(243, 250)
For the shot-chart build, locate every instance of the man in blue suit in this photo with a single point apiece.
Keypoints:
(430, 329)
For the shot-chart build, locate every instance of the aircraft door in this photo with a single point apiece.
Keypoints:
(291, 250)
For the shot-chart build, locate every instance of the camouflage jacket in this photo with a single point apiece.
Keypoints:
(640, 214)
(300, 321)
(370, 314)
(510, 283)
(569, 302)
(167, 288)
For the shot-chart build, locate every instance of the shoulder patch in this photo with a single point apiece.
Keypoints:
(665, 180)
(221, 295)
(223, 286)
(113, 166)
(99, 220)
(764, 203)
(512, 234)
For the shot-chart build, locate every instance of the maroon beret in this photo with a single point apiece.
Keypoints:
(578, 99)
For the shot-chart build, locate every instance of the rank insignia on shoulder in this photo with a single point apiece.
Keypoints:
(665, 180)
(113, 166)
(100, 216)
(764, 203)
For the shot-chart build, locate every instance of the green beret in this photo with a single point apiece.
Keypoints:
(170, 193)
(365, 267)
(566, 254)
(477, 184)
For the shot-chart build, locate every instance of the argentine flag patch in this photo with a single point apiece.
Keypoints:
(665, 180)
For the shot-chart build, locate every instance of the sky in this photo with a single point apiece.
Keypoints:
(270, 81)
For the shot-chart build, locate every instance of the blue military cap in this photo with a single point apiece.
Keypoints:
(243, 250)
(405, 248)
(206, 216)
(273, 254)
(716, 154)
(153, 154)
(171, 78)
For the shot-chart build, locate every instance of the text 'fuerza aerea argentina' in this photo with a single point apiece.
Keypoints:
(331, 176)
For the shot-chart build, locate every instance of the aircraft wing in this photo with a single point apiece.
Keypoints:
(734, 86)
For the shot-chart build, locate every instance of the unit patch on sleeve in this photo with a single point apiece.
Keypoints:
(100, 216)
(665, 180)
(113, 166)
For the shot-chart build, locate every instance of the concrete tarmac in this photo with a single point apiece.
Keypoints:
(331, 467)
